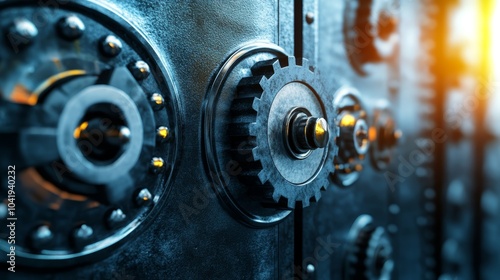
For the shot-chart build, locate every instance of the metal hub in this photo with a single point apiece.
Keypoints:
(354, 140)
(304, 133)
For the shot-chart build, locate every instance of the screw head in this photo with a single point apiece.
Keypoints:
(309, 17)
(143, 197)
(41, 237)
(157, 101)
(82, 235)
(115, 218)
(70, 27)
(157, 165)
(162, 134)
(139, 69)
(21, 33)
(111, 46)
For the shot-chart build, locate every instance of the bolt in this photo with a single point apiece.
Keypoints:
(157, 101)
(162, 134)
(143, 197)
(309, 17)
(70, 27)
(310, 269)
(82, 235)
(115, 218)
(111, 46)
(311, 133)
(157, 165)
(21, 33)
(139, 69)
(41, 237)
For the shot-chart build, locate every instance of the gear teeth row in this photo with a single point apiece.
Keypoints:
(245, 126)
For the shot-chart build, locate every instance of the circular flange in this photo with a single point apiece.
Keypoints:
(353, 138)
(76, 213)
(223, 170)
(74, 111)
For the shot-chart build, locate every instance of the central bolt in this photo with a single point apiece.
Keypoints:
(306, 133)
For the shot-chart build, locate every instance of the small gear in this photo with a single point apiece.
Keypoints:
(369, 255)
(281, 166)
(353, 140)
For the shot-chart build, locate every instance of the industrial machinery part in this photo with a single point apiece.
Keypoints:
(272, 123)
(353, 140)
(383, 135)
(369, 255)
(90, 125)
(370, 30)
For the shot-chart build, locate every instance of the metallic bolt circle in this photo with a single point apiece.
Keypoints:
(73, 113)
(143, 197)
(83, 232)
(139, 69)
(111, 46)
(116, 218)
(51, 83)
(21, 33)
(157, 165)
(71, 27)
(41, 237)
(162, 134)
(157, 101)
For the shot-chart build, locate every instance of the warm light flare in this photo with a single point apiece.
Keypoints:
(495, 40)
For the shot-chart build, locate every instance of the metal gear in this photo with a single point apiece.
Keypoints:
(275, 89)
(369, 255)
(353, 139)
(370, 31)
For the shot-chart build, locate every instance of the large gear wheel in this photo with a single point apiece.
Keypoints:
(275, 89)
(269, 134)
(369, 254)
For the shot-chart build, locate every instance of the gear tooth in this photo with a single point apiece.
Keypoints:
(306, 65)
(291, 203)
(252, 129)
(316, 197)
(255, 153)
(276, 66)
(306, 203)
(263, 176)
(256, 104)
(264, 68)
(263, 83)
(291, 61)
